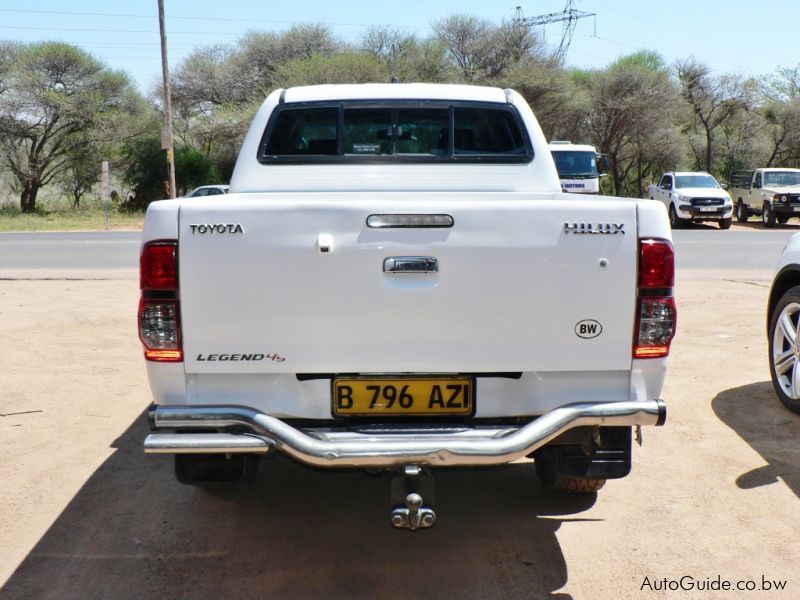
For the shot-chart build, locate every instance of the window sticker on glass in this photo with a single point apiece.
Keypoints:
(366, 148)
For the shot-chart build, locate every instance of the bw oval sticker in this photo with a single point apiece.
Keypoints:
(588, 328)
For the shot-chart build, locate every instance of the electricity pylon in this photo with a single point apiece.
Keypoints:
(569, 16)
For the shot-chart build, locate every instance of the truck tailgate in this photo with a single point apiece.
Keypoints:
(515, 290)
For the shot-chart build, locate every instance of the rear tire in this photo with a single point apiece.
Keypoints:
(742, 212)
(767, 215)
(675, 222)
(782, 350)
(215, 470)
(551, 478)
(725, 223)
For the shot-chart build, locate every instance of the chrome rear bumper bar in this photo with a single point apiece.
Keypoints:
(468, 445)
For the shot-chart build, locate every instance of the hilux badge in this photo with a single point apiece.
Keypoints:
(594, 228)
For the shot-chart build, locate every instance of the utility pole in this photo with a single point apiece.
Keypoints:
(166, 135)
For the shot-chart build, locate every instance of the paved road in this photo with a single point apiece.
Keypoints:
(114, 254)
(743, 247)
(109, 254)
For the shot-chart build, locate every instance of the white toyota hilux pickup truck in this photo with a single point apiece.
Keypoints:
(396, 282)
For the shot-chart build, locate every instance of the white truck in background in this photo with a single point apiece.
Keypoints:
(579, 166)
(773, 193)
(693, 197)
(396, 282)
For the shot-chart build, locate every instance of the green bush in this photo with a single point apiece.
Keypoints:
(147, 174)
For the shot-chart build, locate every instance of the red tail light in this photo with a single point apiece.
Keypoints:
(158, 266)
(656, 264)
(159, 306)
(656, 316)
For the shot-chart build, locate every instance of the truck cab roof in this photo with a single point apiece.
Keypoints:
(395, 91)
(488, 142)
(569, 146)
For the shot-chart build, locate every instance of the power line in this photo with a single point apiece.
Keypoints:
(127, 45)
(94, 30)
(461, 4)
(185, 18)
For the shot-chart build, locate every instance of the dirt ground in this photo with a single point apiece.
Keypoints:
(85, 514)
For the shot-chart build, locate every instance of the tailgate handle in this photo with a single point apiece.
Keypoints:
(410, 264)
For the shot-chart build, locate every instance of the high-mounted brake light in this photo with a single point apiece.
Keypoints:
(656, 315)
(159, 306)
(405, 220)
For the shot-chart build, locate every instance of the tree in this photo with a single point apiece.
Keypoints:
(82, 171)
(385, 43)
(217, 89)
(631, 119)
(260, 54)
(237, 75)
(466, 39)
(145, 170)
(8, 57)
(741, 143)
(558, 101)
(350, 67)
(56, 100)
(780, 111)
(210, 77)
(481, 51)
(713, 101)
(411, 58)
(423, 61)
(217, 135)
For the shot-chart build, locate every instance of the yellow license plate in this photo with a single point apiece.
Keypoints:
(419, 396)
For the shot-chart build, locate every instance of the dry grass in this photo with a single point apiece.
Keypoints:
(68, 219)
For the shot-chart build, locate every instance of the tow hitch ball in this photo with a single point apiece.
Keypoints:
(412, 494)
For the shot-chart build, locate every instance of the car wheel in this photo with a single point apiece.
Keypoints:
(767, 215)
(725, 223)
(784, 349)
(674, 220)
(742, 212)
(782, 219)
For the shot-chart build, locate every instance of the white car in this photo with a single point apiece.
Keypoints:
(208, 190)
(783, 325)
(773, 193)
(693, 197)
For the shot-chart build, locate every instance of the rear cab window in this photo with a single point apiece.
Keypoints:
(396, 131)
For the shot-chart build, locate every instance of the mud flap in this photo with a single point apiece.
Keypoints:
(610, 459)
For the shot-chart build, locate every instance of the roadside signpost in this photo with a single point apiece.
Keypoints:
(105, 190)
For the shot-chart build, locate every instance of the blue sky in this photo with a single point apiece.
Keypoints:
(734, 36)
